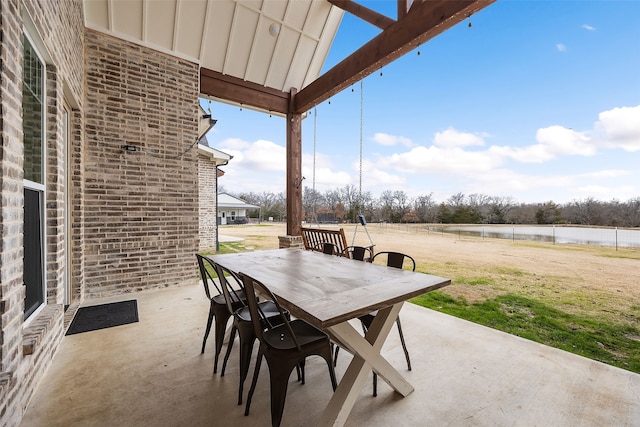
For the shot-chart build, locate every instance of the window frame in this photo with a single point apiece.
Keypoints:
(40, 188)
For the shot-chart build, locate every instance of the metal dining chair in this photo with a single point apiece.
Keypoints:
(396, 260)
(283, 346)
(218, 307)
(360, 253)
(329, 248)
(232, 286)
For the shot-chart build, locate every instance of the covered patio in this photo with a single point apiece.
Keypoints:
(131, 73)
(151, 373)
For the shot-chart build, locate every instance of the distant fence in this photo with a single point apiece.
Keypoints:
(599, 236)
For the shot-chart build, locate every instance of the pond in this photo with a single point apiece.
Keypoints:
(618, 237)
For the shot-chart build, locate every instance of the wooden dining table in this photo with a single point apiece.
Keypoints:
(327, 291)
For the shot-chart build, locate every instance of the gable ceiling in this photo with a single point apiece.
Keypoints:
(278, 44)
(268, 54)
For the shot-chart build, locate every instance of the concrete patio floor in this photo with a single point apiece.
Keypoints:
(151, 373)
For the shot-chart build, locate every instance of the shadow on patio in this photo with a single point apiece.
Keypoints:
(151, 373)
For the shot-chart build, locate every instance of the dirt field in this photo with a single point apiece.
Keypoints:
(580, 279)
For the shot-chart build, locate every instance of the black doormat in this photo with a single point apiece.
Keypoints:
(104, 316)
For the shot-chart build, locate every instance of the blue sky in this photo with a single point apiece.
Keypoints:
(537, 100)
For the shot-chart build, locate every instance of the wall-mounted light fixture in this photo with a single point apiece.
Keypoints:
(129, 147)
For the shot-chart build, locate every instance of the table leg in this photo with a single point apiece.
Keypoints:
(366, 351)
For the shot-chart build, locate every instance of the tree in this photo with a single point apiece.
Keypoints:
(425, 208)
(548, 213)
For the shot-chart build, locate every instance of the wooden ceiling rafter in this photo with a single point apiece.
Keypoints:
(423, 21)
(242, 92)
(371, 16)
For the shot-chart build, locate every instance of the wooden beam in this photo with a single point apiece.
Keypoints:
(294, 171)
(402, 9)
(239, 91)
(364, 13)
(424, 21)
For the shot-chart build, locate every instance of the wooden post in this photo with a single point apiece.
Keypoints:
(294, 169)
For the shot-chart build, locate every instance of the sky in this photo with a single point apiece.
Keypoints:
(536, 100)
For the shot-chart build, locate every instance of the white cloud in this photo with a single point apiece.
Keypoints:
(454, 138)
(620, 128)
(553, 141)
(440, 160)
(325, 178)
(234, 144)
(588, 27)
(260, 156)
(561, 47)
(390, 140)
(607, 173)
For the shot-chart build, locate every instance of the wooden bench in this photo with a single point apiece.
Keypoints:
(313, 238)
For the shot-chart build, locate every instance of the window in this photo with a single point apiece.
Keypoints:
(33, 126)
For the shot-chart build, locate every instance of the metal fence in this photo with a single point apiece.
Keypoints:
(598, 236)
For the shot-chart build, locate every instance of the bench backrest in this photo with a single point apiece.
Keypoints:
(313, 238)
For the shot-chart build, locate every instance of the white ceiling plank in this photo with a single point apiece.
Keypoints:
(144, 20)
(317, 18)
(326, 40)
(284, 54)
(262, 53)
(303, 57)
(297, 13)
(275, 10)
(205, 31)
(190, 24)
(159, 23)
(174, 42)
(127, 18)
(242, 34)
(218, 27)
(97, 12)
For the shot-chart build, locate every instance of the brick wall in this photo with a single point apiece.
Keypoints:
(140, 208)
(26, 350)
(207, 182)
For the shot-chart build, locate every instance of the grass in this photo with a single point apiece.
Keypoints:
(562, 310)
(616, 344)
(558, 311)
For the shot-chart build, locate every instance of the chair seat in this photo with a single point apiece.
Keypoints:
(279, 338)
(268, 308)
(219, 299)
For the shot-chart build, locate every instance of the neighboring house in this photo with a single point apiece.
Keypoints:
(232, 210)
(209, 159)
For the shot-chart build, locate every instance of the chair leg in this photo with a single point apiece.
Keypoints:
(328, 357)
(375, 384)
(335, 357)
(222, 317)
(232, 338)
(301, 364)
(247, 338)
(279, 374)
(206, 332)
(404, 346)
(254, 381)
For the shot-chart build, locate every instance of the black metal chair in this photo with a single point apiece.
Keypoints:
(242, 323)
(284, 347)
(218, 307)
(329, 248)
(360, 253)
(396, 260)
